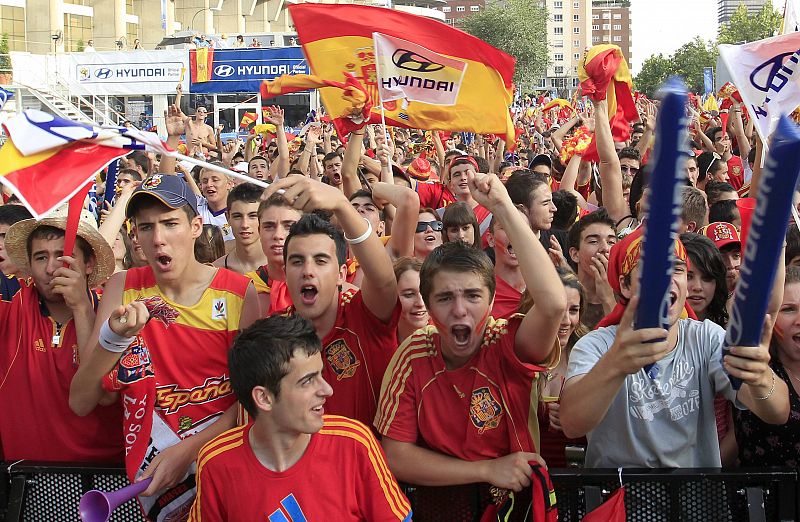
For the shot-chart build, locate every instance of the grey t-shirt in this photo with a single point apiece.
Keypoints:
(664, 422)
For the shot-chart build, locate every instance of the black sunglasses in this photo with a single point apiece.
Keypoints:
(436, 226)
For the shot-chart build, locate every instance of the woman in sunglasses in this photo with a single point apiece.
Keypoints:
(428, 234)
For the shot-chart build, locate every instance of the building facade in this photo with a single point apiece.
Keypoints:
(611, 24)
(569, 32)
(726, 8)
(457, 10)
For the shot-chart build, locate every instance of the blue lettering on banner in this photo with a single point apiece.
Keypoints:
(126, 72)
(778, 70)
(292, 508)
(243, 70)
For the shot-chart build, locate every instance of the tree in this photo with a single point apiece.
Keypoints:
(519, 28)
(5, 58)
(688, 62)
(744, 27)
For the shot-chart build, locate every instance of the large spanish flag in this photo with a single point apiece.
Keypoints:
(201, 63)
(468, 82)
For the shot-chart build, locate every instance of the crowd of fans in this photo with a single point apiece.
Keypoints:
(468, 307)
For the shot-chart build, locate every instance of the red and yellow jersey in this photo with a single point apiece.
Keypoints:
(188, 346)
(278, 292)
(433, 194)
(38, 359)
(356, 353)
(342, 476)
(483, 410)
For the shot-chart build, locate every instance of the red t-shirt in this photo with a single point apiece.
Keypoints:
(356, 353)
(479, 411)
(279, 298)
(342, 476)
(433, 194)
(506, 299)
(735, 172)
(36, 422)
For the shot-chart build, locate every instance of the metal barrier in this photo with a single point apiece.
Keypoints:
(36, 492)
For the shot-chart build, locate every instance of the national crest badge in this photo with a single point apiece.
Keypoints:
(342, 360)
(485, 411)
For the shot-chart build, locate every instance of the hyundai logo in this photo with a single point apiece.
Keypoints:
(103, 73)
(223, 71)
(412, 61)
(762, 76)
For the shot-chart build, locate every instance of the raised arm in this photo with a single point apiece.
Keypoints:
(406, 203)
(352, 153)
(279, 167)
(536, 336)
(610, 171)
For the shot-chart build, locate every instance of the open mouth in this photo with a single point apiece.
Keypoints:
(430, 238)
(277, 250)
(164, 261)
(673, 298)
(796, 338)
(319, 410)
(564, 330)
(308, 294)
(461, 334)
(510, 250)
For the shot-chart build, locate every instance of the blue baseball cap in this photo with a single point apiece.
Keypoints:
(172, 191)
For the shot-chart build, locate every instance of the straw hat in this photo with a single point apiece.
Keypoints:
(18, 233)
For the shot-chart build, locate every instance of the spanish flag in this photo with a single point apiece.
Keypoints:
(604, 74)
(200, 62)
(438, 77)
(247, 119)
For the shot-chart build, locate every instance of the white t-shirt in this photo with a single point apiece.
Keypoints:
(214, 218)
(667, 422)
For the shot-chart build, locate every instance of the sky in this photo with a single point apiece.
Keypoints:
(662, 26)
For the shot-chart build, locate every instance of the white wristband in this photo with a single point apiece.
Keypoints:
(112, 341)
(363, 237)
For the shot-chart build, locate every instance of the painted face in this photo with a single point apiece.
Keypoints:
(571, 317)
(413, 312)
(459, 305)
(303, 391)
(463, 233)
(700, 287)
(167, 238)
(44, 262)
(313, 274)
(243, 219)
(429, 238)
(503, 250)
(274, 224)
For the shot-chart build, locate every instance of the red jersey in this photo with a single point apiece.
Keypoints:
(433, 194)
(279, 298)
(174, 378)
(342, 476)
(38, 359)
(735, 172)
(483, 410)
(356, 353)
(506, 299)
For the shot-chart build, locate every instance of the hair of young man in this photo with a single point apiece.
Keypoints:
(693, 206)
(257, 157)
(711, 132)
(566, 209)
(275, 200)
(132, 173)
(704, 162)
(450, 154)
(313, 224)
(598, 216)
(640, 181)
(142, 202)
(521, 184)
(141, 159)
(247, 192)
(483, 164)
(10, 214)
(330, 157)
(404, 264)
(630, 153)
(459, 214)
(459, 258)
(48, 233)
(706, 259)
(725, 211)
(715, 190)
(261, 355)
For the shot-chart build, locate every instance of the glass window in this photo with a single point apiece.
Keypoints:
(576, 30)
(617, 38)
(596, 27)
(446, 9)
(12, 22)
(77, 31)
(595, 39)
(576, 56)
(474, 8)
(558, 18)
(576, 43)
(595, 17)
(557, 5)
(617, 16)
(617, 27)
(576, 5)
(606, 15)
(460, 9)
(559, 69)
(558, 43)
(576, 18)
(558, 30)
(559, 57)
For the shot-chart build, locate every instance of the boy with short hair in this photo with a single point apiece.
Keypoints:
(242, 215)
(274, 466)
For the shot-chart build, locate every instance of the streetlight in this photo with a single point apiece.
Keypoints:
(191, 24)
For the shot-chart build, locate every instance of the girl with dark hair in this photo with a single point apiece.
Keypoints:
(460, 224)
(428, 234)
(707, 289)
(414, 314)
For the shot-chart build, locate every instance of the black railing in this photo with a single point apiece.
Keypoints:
(34, 492)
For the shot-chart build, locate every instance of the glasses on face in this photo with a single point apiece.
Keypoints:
(627, 168)
(422, 226)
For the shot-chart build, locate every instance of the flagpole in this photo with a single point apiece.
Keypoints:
(378, 71)
(223, 170)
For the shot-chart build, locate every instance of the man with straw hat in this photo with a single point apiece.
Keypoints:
(43, 327)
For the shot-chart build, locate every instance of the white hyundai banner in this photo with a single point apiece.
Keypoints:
(767, 76)
(127, 73)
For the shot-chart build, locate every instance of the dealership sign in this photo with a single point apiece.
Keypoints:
(128, 73)
(243, 70)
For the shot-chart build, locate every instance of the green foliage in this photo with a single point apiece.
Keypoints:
(80, 46)
(744, 27)
(5, 59)
(687, 62)
(519, 28)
